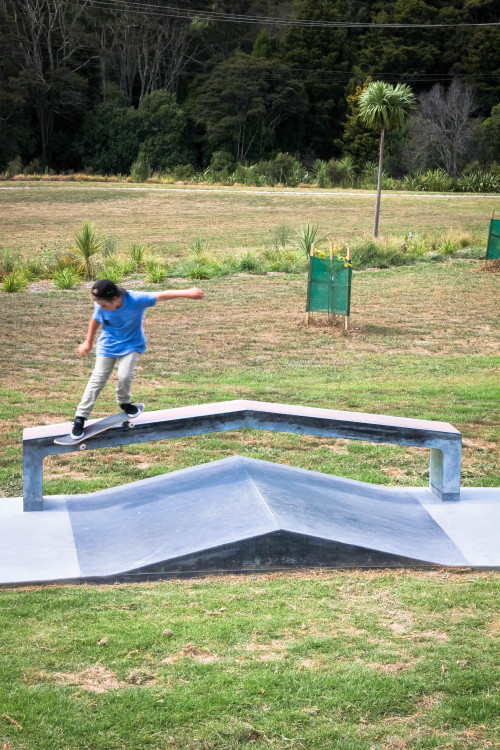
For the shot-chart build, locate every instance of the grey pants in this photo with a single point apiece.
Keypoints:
(102, 370)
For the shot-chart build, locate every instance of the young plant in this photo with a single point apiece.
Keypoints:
(66, 278)
(88, 244)
(199, 247)
(447, 247)
(137, 255)
(308, 236)
(156, 273)
(15, 281)
(250, 263)
(8, 262)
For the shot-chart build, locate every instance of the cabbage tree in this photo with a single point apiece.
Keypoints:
(384, 106)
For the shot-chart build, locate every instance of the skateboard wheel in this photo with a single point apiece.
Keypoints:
(82, 446)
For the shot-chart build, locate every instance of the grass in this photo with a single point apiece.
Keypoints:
(354, 661)
(345, 660)
(247, 339)
(232, 221)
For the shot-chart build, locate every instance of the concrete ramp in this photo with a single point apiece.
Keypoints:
(241, 514)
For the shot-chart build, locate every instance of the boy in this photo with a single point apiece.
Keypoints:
(120, 313)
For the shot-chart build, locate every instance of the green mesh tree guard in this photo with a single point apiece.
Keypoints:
(329, 286)
(493, 248)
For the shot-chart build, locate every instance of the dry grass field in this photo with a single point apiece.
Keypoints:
(423, 340)
(38, 215)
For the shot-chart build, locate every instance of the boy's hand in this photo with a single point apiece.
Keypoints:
(84, 349)
(195, 293)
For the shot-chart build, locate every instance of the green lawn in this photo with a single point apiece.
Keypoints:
(345, 660)
(352, 661)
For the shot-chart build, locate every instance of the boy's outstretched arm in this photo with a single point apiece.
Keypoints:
(86, 346)
(191, 293)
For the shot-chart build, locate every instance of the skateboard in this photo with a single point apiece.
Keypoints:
(101, 425)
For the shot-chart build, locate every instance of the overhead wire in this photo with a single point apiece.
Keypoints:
(213, 15)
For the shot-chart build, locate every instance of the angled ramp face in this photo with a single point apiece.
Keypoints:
(241, 514)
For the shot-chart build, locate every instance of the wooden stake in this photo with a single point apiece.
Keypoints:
(346, 320)
(308, 314)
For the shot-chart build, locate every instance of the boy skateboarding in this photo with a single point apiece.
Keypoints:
(120, 314)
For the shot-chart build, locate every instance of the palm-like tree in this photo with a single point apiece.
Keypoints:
(383, 106)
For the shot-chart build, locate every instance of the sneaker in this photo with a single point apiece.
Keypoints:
(77, 430)
(131, 409)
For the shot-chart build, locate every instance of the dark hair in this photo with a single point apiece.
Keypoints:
(106, 290)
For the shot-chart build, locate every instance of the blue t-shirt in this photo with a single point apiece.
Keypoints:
(122, 328)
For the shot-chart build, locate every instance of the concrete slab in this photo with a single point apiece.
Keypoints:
(474, 527)
(36, 547)
(243, 514)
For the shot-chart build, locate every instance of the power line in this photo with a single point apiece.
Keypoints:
(168, 11)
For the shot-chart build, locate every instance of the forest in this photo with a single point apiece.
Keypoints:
(106, 86)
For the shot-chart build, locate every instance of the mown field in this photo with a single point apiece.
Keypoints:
(349, 660)
(38, 215)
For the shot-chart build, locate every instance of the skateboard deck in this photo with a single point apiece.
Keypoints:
(101, 425)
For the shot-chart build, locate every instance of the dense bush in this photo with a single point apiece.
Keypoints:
(434, 180)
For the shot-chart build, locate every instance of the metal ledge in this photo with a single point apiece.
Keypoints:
(444, 441)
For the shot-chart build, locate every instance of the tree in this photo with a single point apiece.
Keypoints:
(322, 58)
(383, 106)
(443, 130)
(141, 51)
(491, 136)
(47, 50)
(357, 141)
(162, 125)
(108, 141)
(243, 103)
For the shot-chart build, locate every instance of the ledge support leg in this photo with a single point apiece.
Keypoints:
(444, 477)
(32, 480)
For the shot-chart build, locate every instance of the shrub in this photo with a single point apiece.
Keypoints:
(110, 243)
(137, 256)
(335, 172)
(240, 174)
(372, 254)
(15, 281)
(250, 263)
(368, 178)
(477, 181)
(14, 167)
(196, 270)
(447, 247)
(8, 262)
(415, 245)
(183, 172)
(221, 167)
(284, 170)
(140, 170)
(34, 167)
(285, 260)
(320, 175)
(156, 273)
(66, 278)
(113, 270)
(434, 180)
